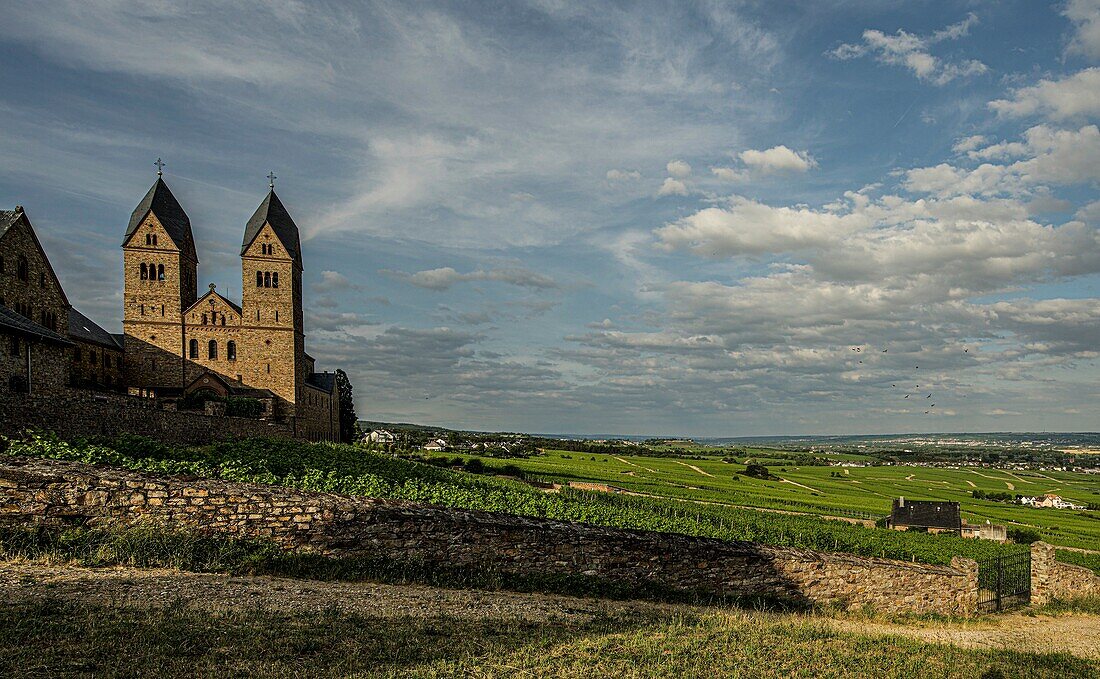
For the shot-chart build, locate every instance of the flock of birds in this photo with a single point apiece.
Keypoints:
(859, 350)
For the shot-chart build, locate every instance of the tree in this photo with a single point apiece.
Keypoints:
(348, 418)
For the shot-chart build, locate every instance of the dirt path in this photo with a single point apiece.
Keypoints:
(971, 483)
(1076, 634)
(695, 468)
(156, 588)
(654, 471)
(795, 483)
(994, 478)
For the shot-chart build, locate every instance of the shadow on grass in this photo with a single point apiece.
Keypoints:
(54, 638)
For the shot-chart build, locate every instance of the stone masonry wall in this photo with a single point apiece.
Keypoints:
(44, 492)
(77, 412)
(1051, 579)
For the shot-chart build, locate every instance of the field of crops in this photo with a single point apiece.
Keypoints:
(353, 470)
(837, 491)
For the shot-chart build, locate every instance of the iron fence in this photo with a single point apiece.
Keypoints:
(1004, 581)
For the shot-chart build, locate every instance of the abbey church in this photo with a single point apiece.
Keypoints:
(177, 348)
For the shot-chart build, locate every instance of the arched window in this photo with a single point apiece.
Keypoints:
(148, 239)
(231, 350)
(267, 279)
(276, 315)
(154, 239)
(24, 269)
(144, 271)
(275, 279)
(160, 272)
(1, 264)
(222, 320)
(212, 349)
(193, 349)
(42, 279)
(204, 320)
(259, 279)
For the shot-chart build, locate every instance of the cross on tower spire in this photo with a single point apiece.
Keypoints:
(271, 179)
(160, 167)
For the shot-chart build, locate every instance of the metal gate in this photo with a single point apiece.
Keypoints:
(1004, 581)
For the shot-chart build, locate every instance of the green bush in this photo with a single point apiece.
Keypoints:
(242, 406)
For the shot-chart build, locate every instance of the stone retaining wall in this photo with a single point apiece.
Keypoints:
(1051, 579)
(48, 492)
(78, 412)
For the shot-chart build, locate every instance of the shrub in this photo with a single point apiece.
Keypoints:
(241, 406)
(1023, 536)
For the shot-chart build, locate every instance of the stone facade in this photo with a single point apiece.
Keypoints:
(45, 492)
(172, 340)
(1051, 579)
(174, 337)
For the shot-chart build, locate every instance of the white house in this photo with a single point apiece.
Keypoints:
(1050, 501)
(436, 445)
(380, 436)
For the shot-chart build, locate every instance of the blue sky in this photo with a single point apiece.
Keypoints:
(667, 218)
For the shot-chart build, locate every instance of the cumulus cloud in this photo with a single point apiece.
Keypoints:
(777, 159)
(912, 52)
(332, 281)
(968, 143)
(1050, 157)
(1077, 95)
(444, 277)
(1085, 15)
(678, 169)
(616, 175)
(672, 187)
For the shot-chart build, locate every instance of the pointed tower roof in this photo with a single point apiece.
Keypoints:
(160, 201)
(271, 211)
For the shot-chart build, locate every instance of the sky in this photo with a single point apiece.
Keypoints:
(678, 218)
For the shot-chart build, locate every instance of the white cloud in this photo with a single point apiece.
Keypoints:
(912, 52)
(443, 278)
(729, 174)
(672, 187)
(1052, 157)
(968, 143)
(1074, 96)
(678, 169)
(777, 159)
(1085, 15)
(616, 175)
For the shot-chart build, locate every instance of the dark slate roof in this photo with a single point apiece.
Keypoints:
(119, 338)
(326, 382)
(926, 513)
(7, 218)
(85, 329)
(13, 322)
(164, 205)
(271, 211)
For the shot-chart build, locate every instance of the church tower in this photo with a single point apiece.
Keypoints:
(160, 279)
(273, 331)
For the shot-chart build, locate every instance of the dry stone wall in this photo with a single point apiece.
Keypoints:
(77, 412)
(45, 492)
(1051, 579)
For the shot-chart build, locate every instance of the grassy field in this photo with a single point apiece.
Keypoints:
(65, 638)
(355, 471)
(836, 490)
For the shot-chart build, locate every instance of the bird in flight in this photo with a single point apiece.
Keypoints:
(928, 396)
(907, 396)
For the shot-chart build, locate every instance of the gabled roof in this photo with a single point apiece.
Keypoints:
(169, 212)
(926, 514)
(20, 325)
(86, 330)
(271, 211)
(228, 302)
(8, 219)
(326, 382)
